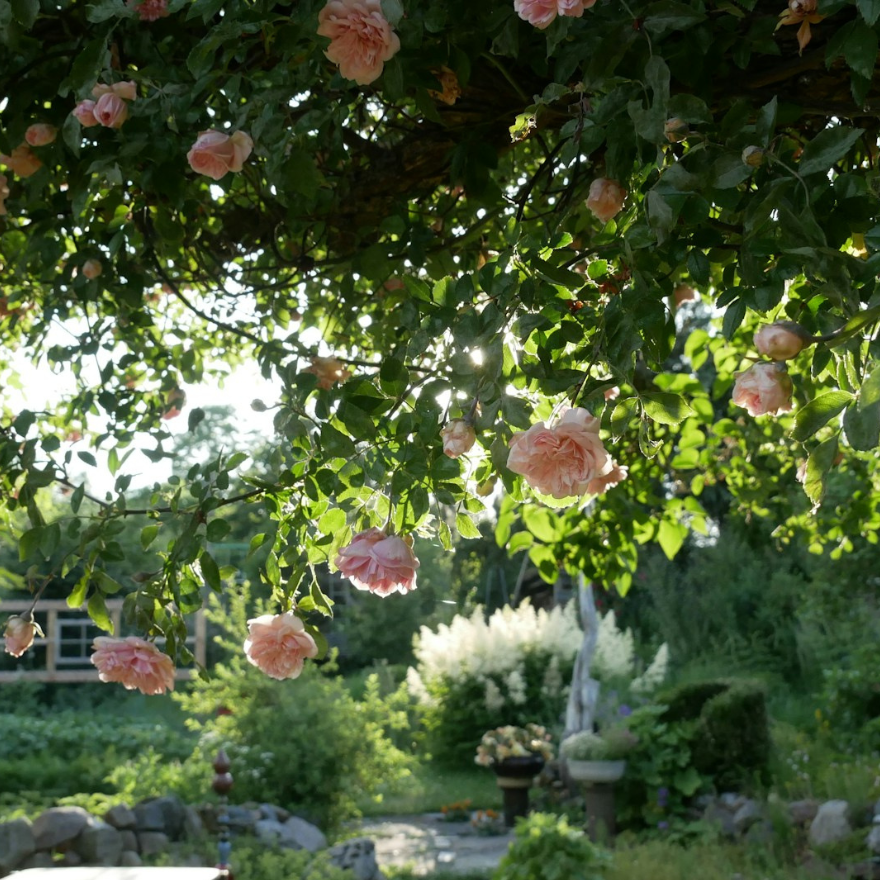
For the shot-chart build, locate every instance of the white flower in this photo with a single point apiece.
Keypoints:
(493, 699)
(654, 675)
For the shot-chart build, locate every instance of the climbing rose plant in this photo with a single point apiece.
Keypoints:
(599, 263)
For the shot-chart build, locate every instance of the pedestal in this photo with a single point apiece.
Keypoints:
(515, 777)
(599, 802)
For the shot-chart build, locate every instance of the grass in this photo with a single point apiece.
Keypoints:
(431, 787)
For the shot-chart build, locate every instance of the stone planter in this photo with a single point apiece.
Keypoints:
(515, 777)
(590, 772)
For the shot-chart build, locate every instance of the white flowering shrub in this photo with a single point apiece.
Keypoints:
(477, 673)
(513, 668)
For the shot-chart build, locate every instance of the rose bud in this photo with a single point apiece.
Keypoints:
(763, 388)
(781, 341)
(92, 269)
(85, 113)
(20, 632)
(40, 134)
(676, 130)
(458, 437)
(606, 198)
(684, 293)
(111, 111)
(753, 156)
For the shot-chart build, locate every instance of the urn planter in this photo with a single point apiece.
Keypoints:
(515, 777)
(591, 772)
(597, 779)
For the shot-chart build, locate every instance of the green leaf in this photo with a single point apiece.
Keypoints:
(302, 173)
(666, 408)
(393, 377)
(687, 781)
(862, 426)
(541, 523)
(766, 122)
(854, 325)
(217, 530)
(623, 414)
(818, 412)
(148, 534)
(78, 594)
(860, 50)
(88, 64)
(97, 609)
(393, 11)
(29, 543)
(106, 584)
(670, 536)
(210, 571)
(26, 12)
(88, 458)
(465, 526)
(870, 10)
(870, 391)
(76, 499)
(821, 461)
(669, 15)
(828, 147)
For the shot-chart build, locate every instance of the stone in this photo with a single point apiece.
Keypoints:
(867, 870)
(732, 801)
(281, 814)
(242, 818)
(873, 841)
(120, 816)
(130, 859)
(59, 825)
(267, 811)
(831, 823)
(37, 860)
(129, 840)
(152, 842)
(299, 834)
(71, 859)
(100, 845)
(746, 816)
(269, 830)
(357, 855)
(704, 801)
(803, 812)
(716, 814)
(192, 823)
(16, 843)
(149, 816)
(760, 834)
(166, 814)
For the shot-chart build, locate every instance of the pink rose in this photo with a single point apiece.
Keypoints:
(134, 663)
(278, 645)
(781, 341)
(214, 153)
(4, 192)
(379, 563)
(175, 401)
(600, 485)
(19, 634)
(458, 437)
(125, 90)
(561, 461)
(361, 39)
(329, 371)
(110, 110)
(22, 161)
(40, 134)
(541, 13)
(149, 10)
(612, 393)
(606, 198)
(92, 269)
(763, 388)
(85, 113)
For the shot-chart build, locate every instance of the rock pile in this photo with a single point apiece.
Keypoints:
(69, 836)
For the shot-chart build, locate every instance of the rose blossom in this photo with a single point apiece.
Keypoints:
(451, 90)
(612, 393)
(763, 388)
(561, 461)
(126, 90)
(606, 198)
(780, 341)
(541, 13)
(149, 10)
(19, 634)
(40, 134)
(378, 562)
(111, 111)
(85, 113)
(92, 269)
(174, 403)
(278, 644)
(600, 485)
(215, 153)
(329, 371)
(4, 192)
(361, 39)
(134, 663)
(22, 161)
(458, 437)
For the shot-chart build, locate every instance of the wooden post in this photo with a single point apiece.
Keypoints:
(51, 640)
(222, 784)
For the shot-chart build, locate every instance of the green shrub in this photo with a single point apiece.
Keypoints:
(852, 698)
(732, 742)
(306, 744)
(545, 846)
(684, 702)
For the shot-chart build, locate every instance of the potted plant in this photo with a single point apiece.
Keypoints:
(517, 755)
(597, 758)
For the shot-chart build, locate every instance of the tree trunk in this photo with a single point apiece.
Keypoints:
(584, 690)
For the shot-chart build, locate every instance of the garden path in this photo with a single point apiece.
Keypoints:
(428, 843)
